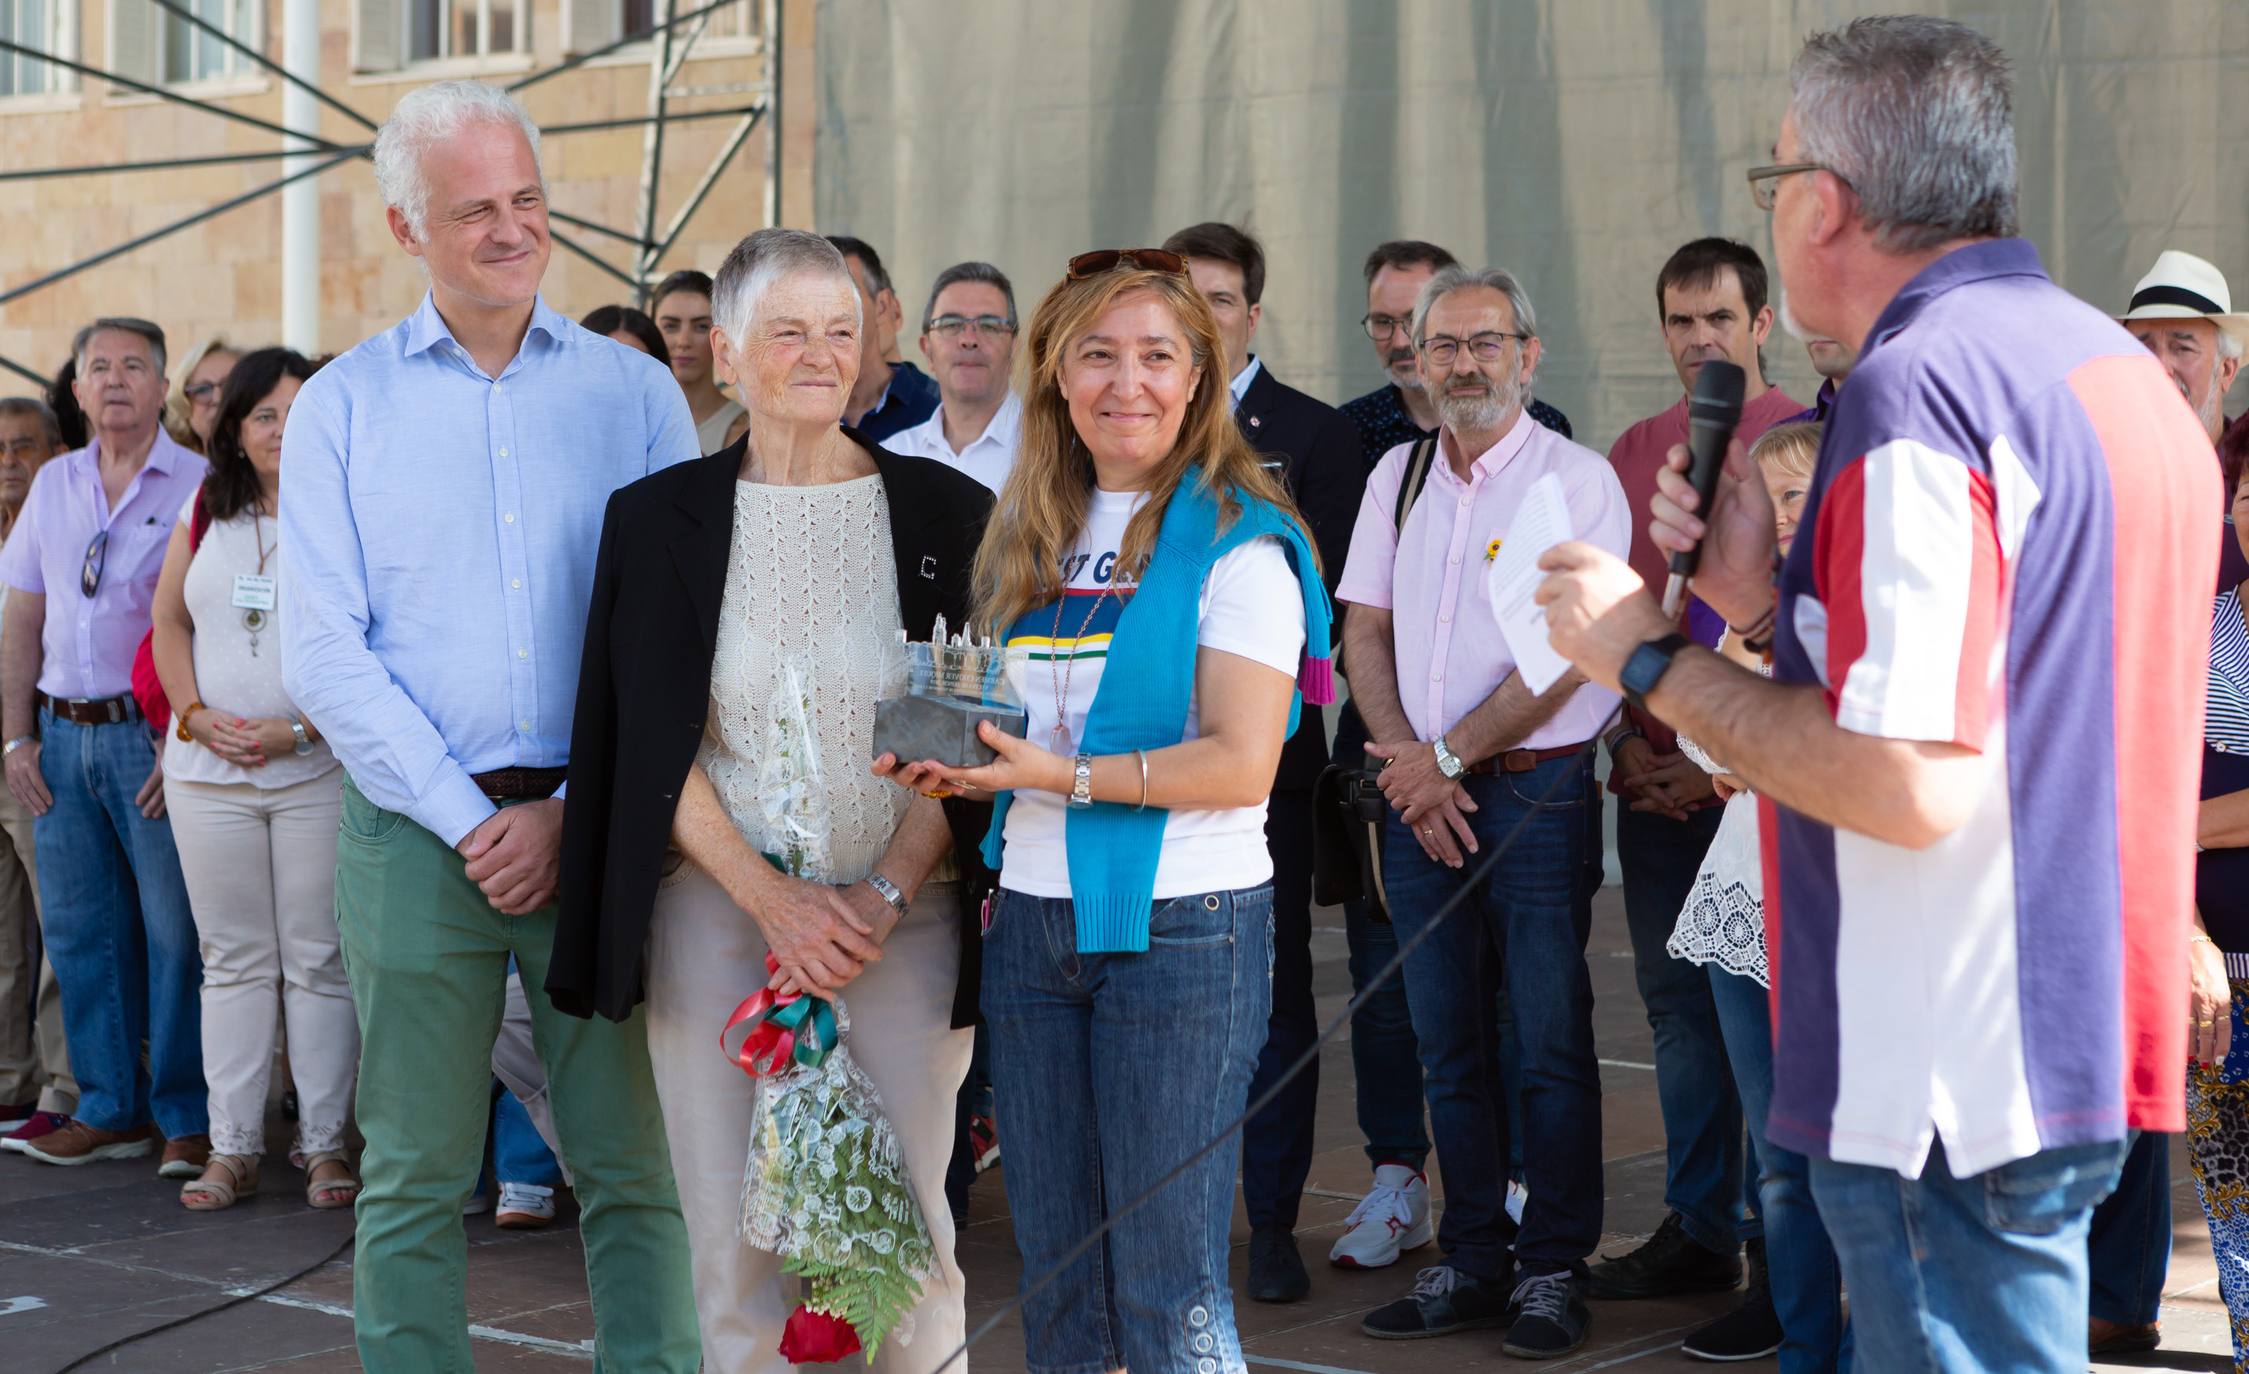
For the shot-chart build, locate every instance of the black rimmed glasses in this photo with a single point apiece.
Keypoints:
(950, 326)
(90, 572)
(1109, 259)
(1383, 328)
(1486, 347)
(1764, 182)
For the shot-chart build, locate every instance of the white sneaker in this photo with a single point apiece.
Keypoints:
(524, 1207)
(1393, 1216)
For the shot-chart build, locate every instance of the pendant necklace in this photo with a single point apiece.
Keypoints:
(254, 619)
(1061, 677)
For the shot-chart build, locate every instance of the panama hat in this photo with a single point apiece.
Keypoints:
(2182, 286)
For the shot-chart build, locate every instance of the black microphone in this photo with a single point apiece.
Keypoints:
(1713, 410)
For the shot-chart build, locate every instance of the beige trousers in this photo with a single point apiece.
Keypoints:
(260, 865)
(33, 1057)
(704, 957)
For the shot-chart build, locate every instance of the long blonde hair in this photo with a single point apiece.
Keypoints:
(1042, 508)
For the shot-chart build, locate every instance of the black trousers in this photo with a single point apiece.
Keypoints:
(1277, 1143)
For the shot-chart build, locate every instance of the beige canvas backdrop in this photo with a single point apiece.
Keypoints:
(1574, 141)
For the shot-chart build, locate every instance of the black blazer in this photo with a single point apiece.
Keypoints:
(644, 694)
(1327, 475)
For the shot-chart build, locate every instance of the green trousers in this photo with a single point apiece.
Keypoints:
(428, 961)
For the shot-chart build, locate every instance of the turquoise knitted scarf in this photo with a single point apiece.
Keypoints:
(1146, 685)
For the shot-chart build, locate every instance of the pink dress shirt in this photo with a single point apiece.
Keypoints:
(1449, 652)
(87, 648)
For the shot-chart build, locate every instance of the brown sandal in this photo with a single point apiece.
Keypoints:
(210, 1194)
(328, 1194)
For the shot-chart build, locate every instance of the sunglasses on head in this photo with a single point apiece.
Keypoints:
(1141, 259)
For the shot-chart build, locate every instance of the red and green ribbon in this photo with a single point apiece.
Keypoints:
(781, 1029)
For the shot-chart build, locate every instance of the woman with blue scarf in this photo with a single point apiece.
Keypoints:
(1157, 592)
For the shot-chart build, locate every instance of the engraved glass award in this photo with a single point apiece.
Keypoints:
(951, 686)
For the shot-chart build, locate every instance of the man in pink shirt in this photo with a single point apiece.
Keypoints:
(1710, 302)
(1468, 752)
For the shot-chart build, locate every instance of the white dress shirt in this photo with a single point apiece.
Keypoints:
(987, 457)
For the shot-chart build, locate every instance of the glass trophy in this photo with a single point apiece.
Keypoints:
(952, 685)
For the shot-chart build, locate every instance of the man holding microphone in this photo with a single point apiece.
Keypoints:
(1978, 744)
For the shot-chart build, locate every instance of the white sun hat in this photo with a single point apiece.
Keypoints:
(2182, 286)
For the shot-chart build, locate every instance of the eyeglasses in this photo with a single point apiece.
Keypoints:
(90, 572)
(950, 326)
(1382, 327)
(1764, 182)
(200, 390)
(1109, 259)
(1484, 348)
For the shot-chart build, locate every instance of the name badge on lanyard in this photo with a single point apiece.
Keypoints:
(253, 593)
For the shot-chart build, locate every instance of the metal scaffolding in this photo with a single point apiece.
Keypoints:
(671, 38)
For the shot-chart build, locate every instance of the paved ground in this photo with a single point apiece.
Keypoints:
(88, 1256)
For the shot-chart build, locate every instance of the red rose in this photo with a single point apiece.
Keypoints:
(817, 1338)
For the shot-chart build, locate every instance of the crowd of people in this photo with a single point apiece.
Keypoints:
(465, 745)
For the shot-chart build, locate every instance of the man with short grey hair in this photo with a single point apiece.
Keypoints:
(80, 565)
(1977, 749)
(435, 575)
(1470, 754)
(968, 335)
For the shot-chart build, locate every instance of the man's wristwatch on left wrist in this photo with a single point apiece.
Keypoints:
(17, 743)
(888, 891)
(1646, 667)
(1448, 762)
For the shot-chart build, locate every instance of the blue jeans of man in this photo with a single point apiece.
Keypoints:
(2130, 1244)
(1807, 1282)
(519, 1155)
(1706, 1177)
(1977, 1273)
(1112, 1070)
(119, 932)
(1385, 1059)
(1526, 924)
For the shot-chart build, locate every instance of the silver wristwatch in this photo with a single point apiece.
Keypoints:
(304, 741)
(17, 743)
(888, 891)
(1448, 762)
(1081, 781)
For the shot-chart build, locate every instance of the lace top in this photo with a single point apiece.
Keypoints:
(810, 581)
(1723, 921)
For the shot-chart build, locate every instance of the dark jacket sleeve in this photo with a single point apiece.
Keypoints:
(573, 974)
(1335, 482)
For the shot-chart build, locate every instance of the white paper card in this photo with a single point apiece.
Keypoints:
(253, 593)
(1541, 522)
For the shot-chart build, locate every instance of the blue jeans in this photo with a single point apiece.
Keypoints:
(1526, 926)
(1807, 1282)
(1112, 1069)
(1986, 1272)
(1385, 1058)
(2130, 1246)
(119, 933)
(1706, 1176)
(519, 1155)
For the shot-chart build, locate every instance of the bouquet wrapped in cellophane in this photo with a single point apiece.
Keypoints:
(826, 1186)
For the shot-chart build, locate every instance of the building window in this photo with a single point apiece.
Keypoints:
(50, 26)
(151, 44)
(391, 34)
(591, 24)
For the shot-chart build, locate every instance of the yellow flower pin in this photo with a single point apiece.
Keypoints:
(1491, 551)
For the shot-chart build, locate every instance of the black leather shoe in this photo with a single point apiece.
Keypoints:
(1276, 1271)
(1749, 1332)
(1444, 1300)
(1668, 1263)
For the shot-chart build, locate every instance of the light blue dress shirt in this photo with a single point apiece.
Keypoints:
(438, 531)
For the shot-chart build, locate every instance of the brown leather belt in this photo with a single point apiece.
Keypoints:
(519, 784)
(107, 711)
(1523, 760)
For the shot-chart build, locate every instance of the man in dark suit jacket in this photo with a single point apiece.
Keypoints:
(1317, 452)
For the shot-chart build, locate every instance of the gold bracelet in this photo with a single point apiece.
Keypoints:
(2198, 935)
(1143, 779)
(180, 726)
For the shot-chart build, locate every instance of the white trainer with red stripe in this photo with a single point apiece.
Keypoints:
(1392, 1217)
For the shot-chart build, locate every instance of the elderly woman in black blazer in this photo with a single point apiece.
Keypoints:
(802, 548)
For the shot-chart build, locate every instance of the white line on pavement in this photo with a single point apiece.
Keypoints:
(583, 1350)
(1627, 1064)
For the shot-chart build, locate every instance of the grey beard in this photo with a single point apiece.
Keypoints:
(1473, 412)
(2212, 410)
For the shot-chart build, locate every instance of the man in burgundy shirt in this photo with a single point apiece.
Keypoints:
(1711, 304)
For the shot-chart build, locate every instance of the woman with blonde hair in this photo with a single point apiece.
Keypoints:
(1794, 1304)
(192, 409)
(1157, 592)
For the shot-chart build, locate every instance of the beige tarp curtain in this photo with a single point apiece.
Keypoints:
(1574, 141)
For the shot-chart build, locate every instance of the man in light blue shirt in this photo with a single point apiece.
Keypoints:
(446, 484)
